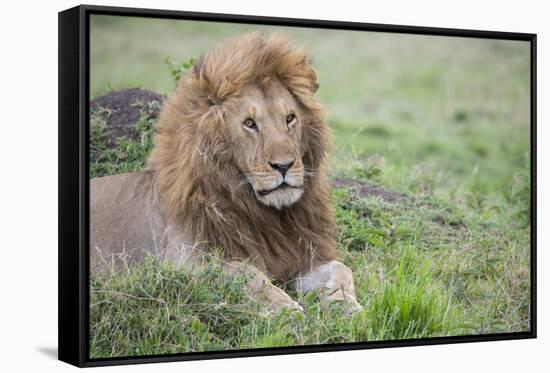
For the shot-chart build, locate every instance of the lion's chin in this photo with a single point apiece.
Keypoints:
(281, 198)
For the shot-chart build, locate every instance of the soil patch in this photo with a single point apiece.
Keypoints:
(122, 109)
(366, 190)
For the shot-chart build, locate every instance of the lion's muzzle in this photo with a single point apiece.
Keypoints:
(281, 187)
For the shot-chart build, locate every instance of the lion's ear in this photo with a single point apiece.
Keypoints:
(314, 79)
(317, 143)
(311, 74)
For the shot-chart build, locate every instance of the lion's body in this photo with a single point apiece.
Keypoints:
(238, 163)
(124, 218)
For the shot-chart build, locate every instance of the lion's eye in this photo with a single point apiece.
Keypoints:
(249, 124)
(290, 119)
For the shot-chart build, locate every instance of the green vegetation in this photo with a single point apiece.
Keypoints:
(440, 124)
(178, 69)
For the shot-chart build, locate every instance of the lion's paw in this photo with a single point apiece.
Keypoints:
(280, 301)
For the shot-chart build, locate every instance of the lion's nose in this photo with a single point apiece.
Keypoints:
(282, 166)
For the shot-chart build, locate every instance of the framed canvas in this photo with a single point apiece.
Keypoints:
(234, 186)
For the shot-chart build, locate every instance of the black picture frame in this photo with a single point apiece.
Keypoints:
(73, 259)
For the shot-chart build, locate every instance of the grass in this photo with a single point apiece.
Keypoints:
(444, 121)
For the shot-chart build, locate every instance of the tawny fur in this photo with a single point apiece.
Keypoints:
(198, 182)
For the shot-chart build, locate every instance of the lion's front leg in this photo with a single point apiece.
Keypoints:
(258, 286)
(334, 283)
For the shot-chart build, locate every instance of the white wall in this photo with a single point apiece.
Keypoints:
(28, 184)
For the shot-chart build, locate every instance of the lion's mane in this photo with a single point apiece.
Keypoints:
(201, 190)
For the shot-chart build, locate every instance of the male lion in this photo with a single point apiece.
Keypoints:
(239, 162)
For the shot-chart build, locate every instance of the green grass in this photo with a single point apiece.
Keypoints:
(444, 121)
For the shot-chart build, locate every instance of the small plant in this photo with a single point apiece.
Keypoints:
(178, 69)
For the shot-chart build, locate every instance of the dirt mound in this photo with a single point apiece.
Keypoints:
(122, 109)
(366, 190)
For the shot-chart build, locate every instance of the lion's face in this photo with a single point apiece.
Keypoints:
(265, 131)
